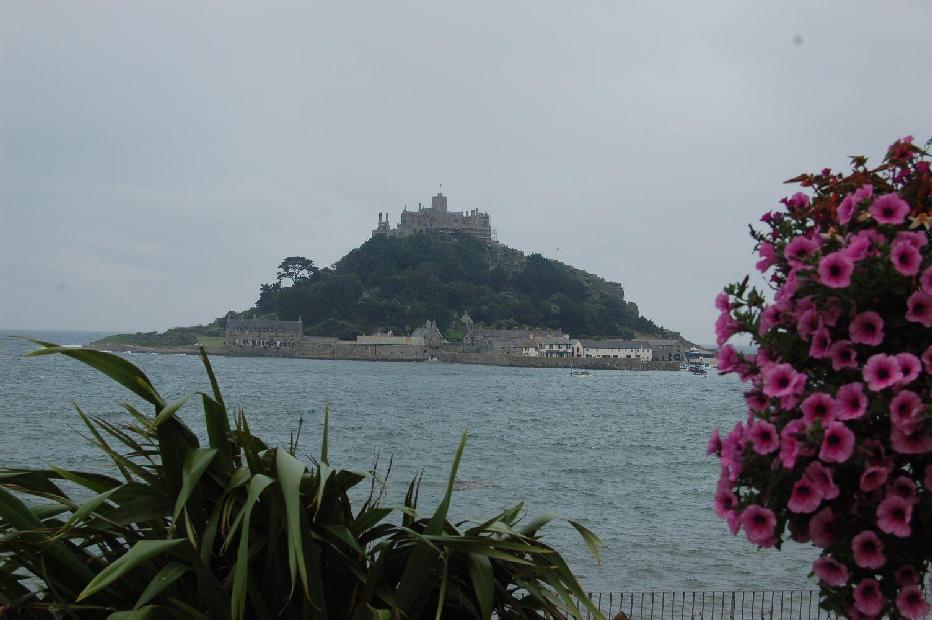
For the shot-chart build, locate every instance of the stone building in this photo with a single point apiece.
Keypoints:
(617, 349)
(497, 340)
(262, 334)
(437, 219)
(431, 335)
(666, 350)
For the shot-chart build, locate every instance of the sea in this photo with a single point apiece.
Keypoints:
(623, 452)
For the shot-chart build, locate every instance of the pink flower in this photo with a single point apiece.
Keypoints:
(881, 371)
(768, 256)
(925, 280)
(807, 322)
(867, 597)
(820, 528)
(725, 502)
(821, 476)
(843, 355)
(910, 366)
(846, 209)
(919, 308)
(889, 209)
(806, 496)
(905, 258)
(905, 488)
(799, 249)
(725, 327)
(907, 575)
(756, 400)
(759, 524)
(830, 571)
(795, 202)
(906, 411)
(927, 359)
(893, 515)
(835, 270)
(715, 443)
(850, 402)
(866, 328)
(868, 550)
(916, 443)
(912, 603)
(917, 239)
(771, 317)
(837, 443)
(733, 519)
(789, 447)
(782, 380)
(857, 247)
(818, 406)
(873, 478)
(722, 302)
(764, 437)
(821, 341)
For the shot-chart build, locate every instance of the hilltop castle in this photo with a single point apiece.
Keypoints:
(437, 219)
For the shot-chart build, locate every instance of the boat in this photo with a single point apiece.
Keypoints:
(698, 370)
(580, 373)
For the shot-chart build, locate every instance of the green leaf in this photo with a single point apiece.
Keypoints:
(290, 470)
(168, 411)
(241, 571)
(196, 462)
(483, 581)
(88, 508)
(593, 542)
(143, 613)
(218, 430)
(114, 366)
(169, 574)
(141, 552)
(324, 451)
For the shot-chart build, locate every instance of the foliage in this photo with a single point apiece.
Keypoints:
(837, 448)
(174, 337)
(238, 529)
(296, 269)
(401, 282)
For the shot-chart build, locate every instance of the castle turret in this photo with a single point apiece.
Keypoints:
(439, 203)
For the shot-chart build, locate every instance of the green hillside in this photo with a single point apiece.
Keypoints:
(398, 283)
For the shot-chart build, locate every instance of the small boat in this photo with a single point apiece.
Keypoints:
(580, 373)
(698, 370)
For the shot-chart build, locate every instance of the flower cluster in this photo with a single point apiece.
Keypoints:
(836, 449)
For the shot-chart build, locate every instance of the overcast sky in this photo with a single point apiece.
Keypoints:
(158, 159)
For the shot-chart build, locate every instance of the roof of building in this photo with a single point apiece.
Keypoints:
(612, 344)
(254, 324)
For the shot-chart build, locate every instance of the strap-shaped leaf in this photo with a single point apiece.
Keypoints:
(290, 470)
(169, 574)
(241, 571)
(114, 366)
(196, 462)
(593, 542)
(483, 582)
(141, 552)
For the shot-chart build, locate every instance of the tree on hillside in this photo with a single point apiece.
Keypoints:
(296, 269)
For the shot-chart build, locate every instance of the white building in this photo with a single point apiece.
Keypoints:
(559, 347)
(616, 349)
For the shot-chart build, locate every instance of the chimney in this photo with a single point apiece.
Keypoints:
(380, 217)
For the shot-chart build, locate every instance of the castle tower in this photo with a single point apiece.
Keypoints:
(439, 203)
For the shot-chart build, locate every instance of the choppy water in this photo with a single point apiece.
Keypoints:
(622, 451)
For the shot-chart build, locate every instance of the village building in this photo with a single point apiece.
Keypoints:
(559, 347)
(264, 334)
(665, 350)
(390, 339)
(617, 349)
(431, 335)
(438, 219)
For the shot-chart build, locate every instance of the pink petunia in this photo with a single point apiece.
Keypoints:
(725, 502)
(764, 437)
(905, 258)
(820, 528)
(837, 443)
(889, 209)
(906, 411)
(771, 317)
(835, 270)
(912, 603)
(919, 308)
(780, 380)
(843, 355)
(821, 343)
(910, 367)
(881, 371)
(925, 280)
(846, 209)
(867, 328)
(917, 239)
(806, 496)
(821, 476)
(722, 302)
(927, 359)
(715, 443)
(915, 443)
(807, 322)
(857, 248)
(907, 575)
(759, 524)
(728, 359)
(818, 406)
(868, 598)
(893, 516)
(873, 478)
(733, 519)
(795, 202)
(756, 400)
(789, 446)
(905, 488)
(830, 571)
(768, 257)
(850, 402)
(725, 327)
(800, 249)
(868, 550)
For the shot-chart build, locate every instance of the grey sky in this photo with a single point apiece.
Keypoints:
(158, 159)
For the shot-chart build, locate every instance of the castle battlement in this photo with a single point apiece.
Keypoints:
(437, 219)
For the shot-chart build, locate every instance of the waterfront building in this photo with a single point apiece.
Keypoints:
(390, 339)
(496, 340)
(430, 332)
(665, 350)
(260, 333)
(617, 349)
(559, 347)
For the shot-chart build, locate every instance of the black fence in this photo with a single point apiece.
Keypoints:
(723, 605)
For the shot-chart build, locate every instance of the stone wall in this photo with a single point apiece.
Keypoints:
(553, 362)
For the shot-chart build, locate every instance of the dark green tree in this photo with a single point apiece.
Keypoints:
(296, 269)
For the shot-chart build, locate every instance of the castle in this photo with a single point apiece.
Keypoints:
(437, 219)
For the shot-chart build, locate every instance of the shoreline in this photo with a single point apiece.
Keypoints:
(442, 357)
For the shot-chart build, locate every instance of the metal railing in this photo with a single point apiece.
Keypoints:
(712, 605)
